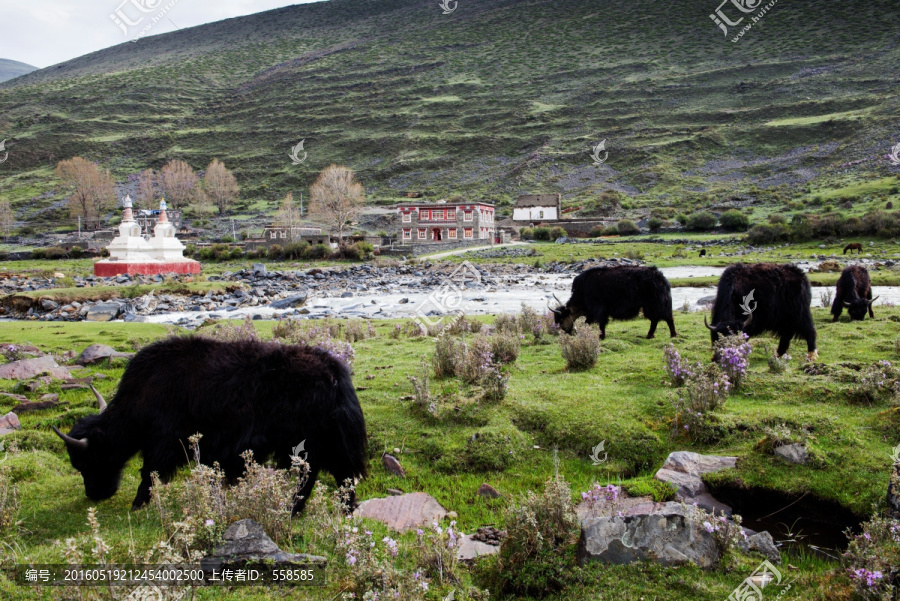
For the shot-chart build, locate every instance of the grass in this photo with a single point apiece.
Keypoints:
(621, 401)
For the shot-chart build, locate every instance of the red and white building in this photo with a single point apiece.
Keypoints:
(436, 222)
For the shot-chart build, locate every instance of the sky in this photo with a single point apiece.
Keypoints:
(46, 32)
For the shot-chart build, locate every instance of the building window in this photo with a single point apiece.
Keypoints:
(407, 217)
(467, 216)
(273, 235)
(283, 234)
(451, 214)
(451, 233)
(423, 215)
(468, 232)
(437, 214)
(422, 233)
(540, 214)
(407, 234)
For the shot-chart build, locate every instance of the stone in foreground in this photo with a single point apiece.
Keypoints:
(404, 512)
(246, 542)
(470, 549)
(99, 352)
(392, 465)
(104, 312)
(794, 453)
(684, 468)
(25, 369)
(667, 535)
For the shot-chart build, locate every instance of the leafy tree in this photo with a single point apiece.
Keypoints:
(734, 221)
(220, 185)
(336, 198)
(92, 189)
(701, 221)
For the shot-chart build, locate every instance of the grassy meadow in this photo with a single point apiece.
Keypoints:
(623, 401)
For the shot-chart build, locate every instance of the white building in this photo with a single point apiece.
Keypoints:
(538, 207)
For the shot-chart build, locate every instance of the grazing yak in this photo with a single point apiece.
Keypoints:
(703, 252)
(854, 246)
(620, 293)
(261, 396)
(779, 303)
(854, 290)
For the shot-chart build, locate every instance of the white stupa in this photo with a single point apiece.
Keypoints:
(130, 253)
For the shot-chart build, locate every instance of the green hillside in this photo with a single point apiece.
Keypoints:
(496, 99)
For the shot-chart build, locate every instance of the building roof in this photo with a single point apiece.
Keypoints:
(442, 205)
(539, 200)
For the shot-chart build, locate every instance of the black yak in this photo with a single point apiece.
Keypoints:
(703, 252)
(261, 396)
(780, 301)
(620, 293)
(854, 246)
(854, 290)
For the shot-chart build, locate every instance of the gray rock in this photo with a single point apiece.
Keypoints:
(104, 312)
(25, 369)
(668, 535)
(762, 542)
(706, 300)
(403, 512)
(11, 421)
(403, 301)
(794, 453)
(99, 352)
(392, 465)
(289, 302)
(49, 305)
(684, 468)
(470, 549)
(259, 269)
(246, 542)
(347, 295)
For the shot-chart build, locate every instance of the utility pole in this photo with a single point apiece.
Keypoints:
(301, 205)
(232, 231)
(79, 227)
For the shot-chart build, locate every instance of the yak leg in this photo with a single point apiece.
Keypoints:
(652, 331)
(869, 298)
(671, 323)
(837, 307)
(784, 343)
(165, 472)
(305, 490)
(602, 321)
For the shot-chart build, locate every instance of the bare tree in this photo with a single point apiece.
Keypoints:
(220, 185)
(93, 189)
(336, 198)
(179, 183)
(147, 189)
(7, 217)
(288, 215)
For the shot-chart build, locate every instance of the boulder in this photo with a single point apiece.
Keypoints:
(470, 549)
(794, 453)
(761, 542)
(684, 468)
(99, 352)
(25, 369)
(666, 534)
(392, 465)
(51, 401)
(289, 302)
(404, 512)
(103, 312)
(828, 267)
(245, 542)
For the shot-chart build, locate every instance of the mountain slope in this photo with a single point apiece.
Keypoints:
(10, 69)
(496, 99)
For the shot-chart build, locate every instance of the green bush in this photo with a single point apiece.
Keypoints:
(655, 224)
(682, 219)
(557, 232)
(768, 234)
(76, 252)
(626, 227)
(236, 253)
(276, 251)
(296, 250)
(526, 233)
(610, 230)
(701, 221)
(50, 252)
(777, 218)
(221, 252)
(542, 233)
(734, 221)
(318, 251)
(596, 231)
(190, 250)
(205, 253)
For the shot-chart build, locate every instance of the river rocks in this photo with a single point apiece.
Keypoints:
(296, 300)
(392, 465)
(99, 352)
(762, 542)
(684, 468)
(404, 512)
(104, 312)
(245, 542)
(668, 535)
(794, 453)
(26, 369)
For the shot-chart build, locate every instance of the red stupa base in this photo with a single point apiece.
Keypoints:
(110, 268)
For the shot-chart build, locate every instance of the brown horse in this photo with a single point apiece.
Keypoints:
(853, 246)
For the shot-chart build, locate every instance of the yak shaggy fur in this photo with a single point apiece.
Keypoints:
(854, 290)
(261, 396)
(602, 293)
(782, 295)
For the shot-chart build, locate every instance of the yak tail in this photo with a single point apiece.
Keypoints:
(350, 426)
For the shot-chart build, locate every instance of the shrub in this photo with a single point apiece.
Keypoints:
(734, 221)
(357, 329)
(768, 234)
(826, 298)
(626, 227)
(321, 335)
(677, 368)
(230, 332)
(275, 251)
(596, 231)
(701, 221)
(610, 230)
(190, 250)
(557, 233)
(526, 233)
(581, 350)
(878, 382)
(655, 224)
(358, 251)
(76, 252)
(732, 354)
(236, 253)
(542, 233)
(9, 501)
(507, 324)
(537, 554)
(296, 250)
(505, 348)
(530, 321)
(682, 219)
(872, 558)
(317, 251)
(703, 392)
(449, 356)
(777, 218)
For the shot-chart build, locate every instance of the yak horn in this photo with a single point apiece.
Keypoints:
(100, 398)
(559, 301)
(75, 443)
(749, 319)
(874, 299)
(708, 327)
